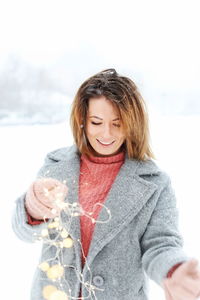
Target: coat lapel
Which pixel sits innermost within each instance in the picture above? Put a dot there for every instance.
(127, 196)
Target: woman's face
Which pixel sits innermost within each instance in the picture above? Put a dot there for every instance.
(104, 127)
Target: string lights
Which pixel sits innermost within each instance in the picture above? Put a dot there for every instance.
(57, 234)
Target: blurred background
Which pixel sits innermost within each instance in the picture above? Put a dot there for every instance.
(47, 49)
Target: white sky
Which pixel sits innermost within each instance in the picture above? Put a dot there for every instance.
(156, 37)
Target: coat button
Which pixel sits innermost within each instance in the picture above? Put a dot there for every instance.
(98, 280)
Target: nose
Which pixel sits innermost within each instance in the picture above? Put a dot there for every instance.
(107, 133)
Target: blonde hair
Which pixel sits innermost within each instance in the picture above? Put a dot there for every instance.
(124, 95)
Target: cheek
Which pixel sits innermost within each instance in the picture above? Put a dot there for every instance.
(91, 131)
(121, 136)
(122, 139)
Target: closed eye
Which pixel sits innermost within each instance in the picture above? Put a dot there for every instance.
(94, 123)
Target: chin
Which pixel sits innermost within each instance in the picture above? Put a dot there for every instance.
(98, 151)
(106, 153)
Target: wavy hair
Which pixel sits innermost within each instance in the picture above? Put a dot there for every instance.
(123, 93)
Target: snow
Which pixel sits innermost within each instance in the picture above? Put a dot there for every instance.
(31, 109)
(174, 141)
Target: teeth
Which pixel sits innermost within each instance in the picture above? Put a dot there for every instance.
(105, 143)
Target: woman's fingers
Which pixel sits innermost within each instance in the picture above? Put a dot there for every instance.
(44, 198)
(49, 190)
(191, 285)
(35, 208)
(166, 291)
(188, 276)
(184, 283)
(188, 268)
(177, 292)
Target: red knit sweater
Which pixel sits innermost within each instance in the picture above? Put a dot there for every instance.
(96, 178)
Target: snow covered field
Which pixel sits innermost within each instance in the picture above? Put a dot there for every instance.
(176, 144)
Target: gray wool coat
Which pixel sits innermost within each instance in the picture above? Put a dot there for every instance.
(141, 238)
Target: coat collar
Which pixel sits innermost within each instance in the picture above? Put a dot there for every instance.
(148, 167)
(128, 194)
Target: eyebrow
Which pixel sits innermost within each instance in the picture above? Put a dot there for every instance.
(102, 119)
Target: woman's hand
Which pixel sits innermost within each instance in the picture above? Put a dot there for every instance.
(43, 198)
(184, 283)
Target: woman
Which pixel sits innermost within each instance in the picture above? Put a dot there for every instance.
(105, 211)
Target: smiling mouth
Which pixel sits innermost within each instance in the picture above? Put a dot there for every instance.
(105, 144)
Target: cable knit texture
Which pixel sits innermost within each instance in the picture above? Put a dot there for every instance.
(96, 177)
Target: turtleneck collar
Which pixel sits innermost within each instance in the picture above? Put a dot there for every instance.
(105, 159)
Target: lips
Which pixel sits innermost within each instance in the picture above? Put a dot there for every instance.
(105, 144)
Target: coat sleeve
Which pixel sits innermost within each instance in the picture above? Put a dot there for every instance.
(162, 243)
(20, 225)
